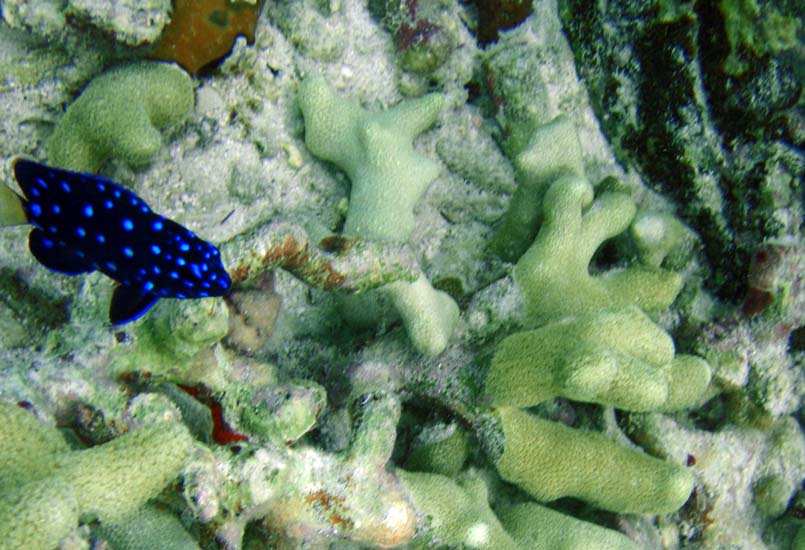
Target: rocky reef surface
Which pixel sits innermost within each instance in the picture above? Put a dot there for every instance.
(505, 275)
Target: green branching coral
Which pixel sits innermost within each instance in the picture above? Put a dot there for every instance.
(44, 484)
(540, 528)
(553, 275)
(617, 358)
(38, 515)
(458, 514)
(550, 461)
(119, 115)
(375, 150)
(594, 343)
(552, 151)
(147, 527)
(388, 177)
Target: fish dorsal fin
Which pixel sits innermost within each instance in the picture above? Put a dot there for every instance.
(56, 257)
(129, 303)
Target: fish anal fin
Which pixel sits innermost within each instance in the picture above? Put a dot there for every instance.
(129, 303)
(54, 257)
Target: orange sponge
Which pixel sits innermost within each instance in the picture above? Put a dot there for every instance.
(203, 31)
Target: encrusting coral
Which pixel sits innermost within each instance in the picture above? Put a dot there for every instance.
(388, 177)
(119, 115)
(43, 483)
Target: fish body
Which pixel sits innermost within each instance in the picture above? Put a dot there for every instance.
(84, 223)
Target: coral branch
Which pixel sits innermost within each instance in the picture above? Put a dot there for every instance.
(364, 266)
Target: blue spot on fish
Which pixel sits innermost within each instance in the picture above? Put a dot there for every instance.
(141, 244)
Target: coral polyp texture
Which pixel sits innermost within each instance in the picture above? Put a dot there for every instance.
(119, 115)
(388, 177)
(504, 275)
(46, 485)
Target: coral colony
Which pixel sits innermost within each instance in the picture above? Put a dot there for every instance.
(458, 296)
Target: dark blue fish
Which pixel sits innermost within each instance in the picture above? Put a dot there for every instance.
(84, 223)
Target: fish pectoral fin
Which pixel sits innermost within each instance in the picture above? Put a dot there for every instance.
(129, 303)
(58, 258)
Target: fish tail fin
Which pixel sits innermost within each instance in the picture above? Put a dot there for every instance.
(12, 202)
(11, 210)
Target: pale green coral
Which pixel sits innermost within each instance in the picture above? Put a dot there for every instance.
(146, 528)
(429, 315)
(440, 449)
(108, 481)
(540, 528)
(119, 115)
(617, 358)
(552, 151)
(375, 150)
(553, 274)
(550, 461)
(38, 515)
(458, 514)
(388, 177)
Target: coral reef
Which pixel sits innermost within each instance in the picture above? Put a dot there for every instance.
(388, 177)
(119, 115)
(46, 484)
(129, 22)
(550, 461)
(570, 260)
(714, 142)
